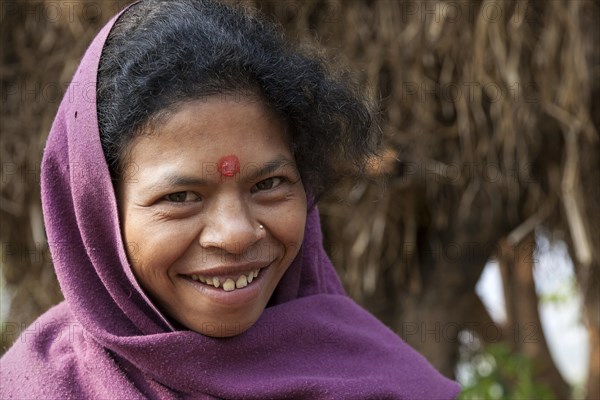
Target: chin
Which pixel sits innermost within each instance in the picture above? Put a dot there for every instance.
(224, 329)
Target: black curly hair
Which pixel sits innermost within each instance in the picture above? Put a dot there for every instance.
(162, 53)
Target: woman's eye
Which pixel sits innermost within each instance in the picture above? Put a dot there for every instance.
(181, 197)
(268, 184)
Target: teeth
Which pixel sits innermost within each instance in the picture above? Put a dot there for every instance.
(241, 282)
(228, 285)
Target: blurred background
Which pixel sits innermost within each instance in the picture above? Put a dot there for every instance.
(475, 235)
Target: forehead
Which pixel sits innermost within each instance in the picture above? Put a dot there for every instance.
(210, 130)
(224, 114)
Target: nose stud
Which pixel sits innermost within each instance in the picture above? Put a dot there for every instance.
(261, 227)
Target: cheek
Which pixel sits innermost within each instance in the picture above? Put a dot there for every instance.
(296, 233)
(289, 228)
(153, 247)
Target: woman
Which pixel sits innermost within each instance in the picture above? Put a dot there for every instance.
(179, 201)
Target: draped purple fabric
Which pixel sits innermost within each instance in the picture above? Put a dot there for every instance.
(108, 341)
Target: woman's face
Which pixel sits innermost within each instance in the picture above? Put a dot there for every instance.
(213, 213)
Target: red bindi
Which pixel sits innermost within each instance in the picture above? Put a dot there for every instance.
(228, 166)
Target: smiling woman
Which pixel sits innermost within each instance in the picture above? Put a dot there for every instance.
(191, 258)
(198, 240)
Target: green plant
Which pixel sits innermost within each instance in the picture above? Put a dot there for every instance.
(494, 373)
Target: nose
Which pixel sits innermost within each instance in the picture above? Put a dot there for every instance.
(230, 226)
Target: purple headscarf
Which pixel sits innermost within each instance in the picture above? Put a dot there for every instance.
(107, 340)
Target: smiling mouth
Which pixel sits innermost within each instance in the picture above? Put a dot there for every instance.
(227, 283)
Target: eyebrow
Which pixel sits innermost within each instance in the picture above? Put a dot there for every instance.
(183, 180)
(168, 182)
(267, 168)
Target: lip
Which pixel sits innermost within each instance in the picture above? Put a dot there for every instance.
(237, 297)
(230, 270)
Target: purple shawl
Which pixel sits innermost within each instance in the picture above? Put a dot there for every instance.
(107, 340)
